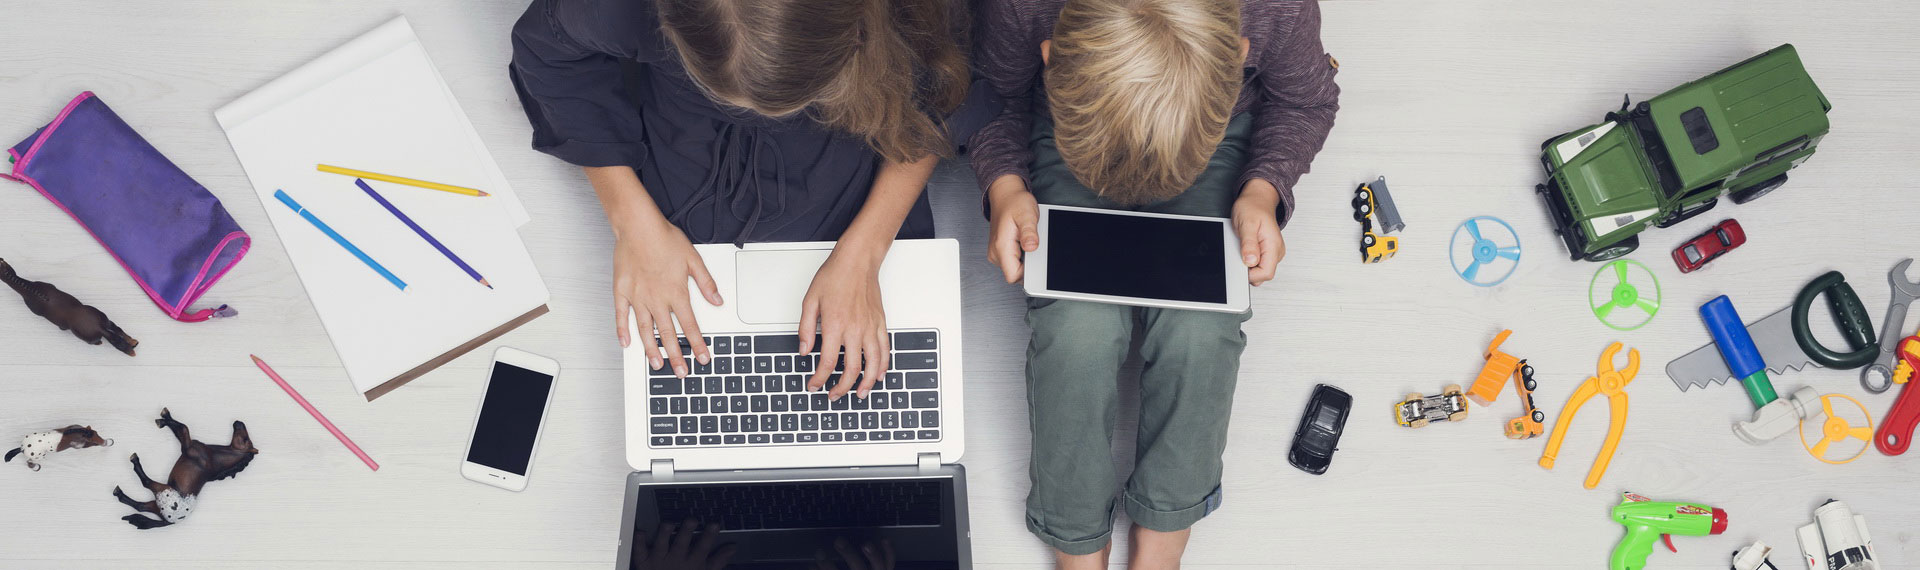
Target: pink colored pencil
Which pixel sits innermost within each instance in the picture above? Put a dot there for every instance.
(315, 412)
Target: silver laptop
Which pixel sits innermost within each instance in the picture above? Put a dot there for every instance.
(741, 443)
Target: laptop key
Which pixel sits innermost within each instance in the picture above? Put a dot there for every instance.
(679, 404)
(753, 385)
(894, 381)
(856, 436)
(927, 434)
(702, 369)
(783, 363)
(719, 404)
(809, 437)
(916, 340)
(760, 403)
(709, 440)
(687, 423)
(664, 425)
(736, 439)
(922, 380)
(804, 363)
(796, 383)
(697, 405)
(685, 440)
(738, 403)
(713, 385)
(858, 402)
(930, 419)
(910, 420)
(916, 360)
(849, 420)
(762, 364)
(750, 423)
(900, 400)
(778, 403)
(817, 401)
(783, 438)
(842, 404)
(663, 386)
(722, 366)
(879, 400)
(926, 399)
(880, 435)
(829, 422)
(657, 406)
(736, 385)
(757, 438)
(798, 402)
(662, 440)
(722, 345)
(830, 437)
(810, 422)
(776, 344)
(902, 434)
(729, 424)
(769, 422)
(709, 424)
(742, 345)
(870, 420)
(789, 422)
(890, 420)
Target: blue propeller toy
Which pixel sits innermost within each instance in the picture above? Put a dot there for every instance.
(1485, 251)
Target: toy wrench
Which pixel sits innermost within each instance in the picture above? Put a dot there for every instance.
(1896, 431)
(1611, 382)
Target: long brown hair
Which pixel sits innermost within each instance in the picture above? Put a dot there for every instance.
(872, 68)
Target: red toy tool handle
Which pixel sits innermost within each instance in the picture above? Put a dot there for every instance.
(1896, 431)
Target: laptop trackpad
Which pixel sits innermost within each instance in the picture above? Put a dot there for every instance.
(769, 284)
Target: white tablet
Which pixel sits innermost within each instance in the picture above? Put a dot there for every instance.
(1138, 258)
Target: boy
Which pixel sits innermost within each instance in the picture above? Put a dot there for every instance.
(1200, 107)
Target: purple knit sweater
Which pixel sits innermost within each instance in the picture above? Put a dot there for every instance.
(1289, 88)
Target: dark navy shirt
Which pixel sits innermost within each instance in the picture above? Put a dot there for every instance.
(602, 86)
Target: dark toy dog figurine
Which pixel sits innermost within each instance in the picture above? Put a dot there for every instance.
(199, 463)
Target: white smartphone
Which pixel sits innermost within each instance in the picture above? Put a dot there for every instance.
(1138, 258)
(513, 412)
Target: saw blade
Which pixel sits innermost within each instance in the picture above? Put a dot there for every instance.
(1772, 335)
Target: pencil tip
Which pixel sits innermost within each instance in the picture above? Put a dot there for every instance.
(254, 357)
(483, 193)
(484, 282)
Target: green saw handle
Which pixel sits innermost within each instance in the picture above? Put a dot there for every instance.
(1848, 313)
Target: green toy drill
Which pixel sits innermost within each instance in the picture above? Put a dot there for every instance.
(1645, 520)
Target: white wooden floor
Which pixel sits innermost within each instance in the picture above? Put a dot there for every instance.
(1449, 99)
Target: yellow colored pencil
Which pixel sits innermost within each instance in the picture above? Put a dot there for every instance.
(400, 180)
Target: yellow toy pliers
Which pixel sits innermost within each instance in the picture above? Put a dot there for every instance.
(1607, 381)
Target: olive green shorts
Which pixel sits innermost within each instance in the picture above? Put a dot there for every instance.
(1192, 359)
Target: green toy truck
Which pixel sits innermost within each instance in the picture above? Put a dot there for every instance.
(1670, 158)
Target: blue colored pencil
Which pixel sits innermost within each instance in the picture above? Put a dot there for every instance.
(423, 233)
(339, 239)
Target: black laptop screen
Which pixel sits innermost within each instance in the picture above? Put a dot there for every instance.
(794, 524)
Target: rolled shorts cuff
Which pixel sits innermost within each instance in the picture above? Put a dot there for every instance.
(1080, 547)
(1174, 520)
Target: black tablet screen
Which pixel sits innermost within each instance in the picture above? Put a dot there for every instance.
(1135, 256)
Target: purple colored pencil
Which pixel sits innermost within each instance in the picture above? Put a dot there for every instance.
(423, 233)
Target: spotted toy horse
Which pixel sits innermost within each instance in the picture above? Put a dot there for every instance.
(199, 463)
(40, 443)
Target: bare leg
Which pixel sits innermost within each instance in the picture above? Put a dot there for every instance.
(1095, 561)
(1155, 550)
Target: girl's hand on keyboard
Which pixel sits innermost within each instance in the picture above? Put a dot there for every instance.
(651, 264)
(844, 301)
(667, 549)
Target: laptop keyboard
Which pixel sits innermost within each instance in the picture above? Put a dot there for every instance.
(753, 393)
(774, 506)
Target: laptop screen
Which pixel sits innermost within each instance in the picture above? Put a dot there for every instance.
(797, 524)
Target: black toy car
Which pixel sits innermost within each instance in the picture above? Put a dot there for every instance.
(1319, 432)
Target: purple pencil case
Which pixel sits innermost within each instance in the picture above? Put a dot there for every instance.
(169, 232)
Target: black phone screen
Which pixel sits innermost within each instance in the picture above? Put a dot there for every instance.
(1136, 256)
(510, 418)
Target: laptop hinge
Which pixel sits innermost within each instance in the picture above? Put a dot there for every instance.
(663, 469)
(929, 462)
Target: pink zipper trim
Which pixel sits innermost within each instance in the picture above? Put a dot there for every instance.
(21, 164)
(201, 283)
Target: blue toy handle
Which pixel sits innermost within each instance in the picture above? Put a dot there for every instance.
(1730, 334)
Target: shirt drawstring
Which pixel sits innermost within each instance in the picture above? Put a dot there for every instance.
(734, 161)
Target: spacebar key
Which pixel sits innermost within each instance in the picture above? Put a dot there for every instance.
(776, 344)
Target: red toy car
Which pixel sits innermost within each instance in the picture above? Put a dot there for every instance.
(1694, 254)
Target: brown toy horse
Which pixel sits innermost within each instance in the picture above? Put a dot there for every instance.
(40, 443)
(199, 463)
(66, 312)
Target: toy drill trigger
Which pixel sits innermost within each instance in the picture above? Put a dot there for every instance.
(1668, 538)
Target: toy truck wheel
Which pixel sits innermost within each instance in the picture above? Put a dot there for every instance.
(1452, 390)
(1417, 424)
(1616, 251)
(1367, 241)
(1754, 192)
(1457, 416)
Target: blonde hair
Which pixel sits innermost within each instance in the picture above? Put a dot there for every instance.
(871, 68)
(1141, 91)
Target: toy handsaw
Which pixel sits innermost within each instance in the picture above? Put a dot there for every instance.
(1772, 334)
